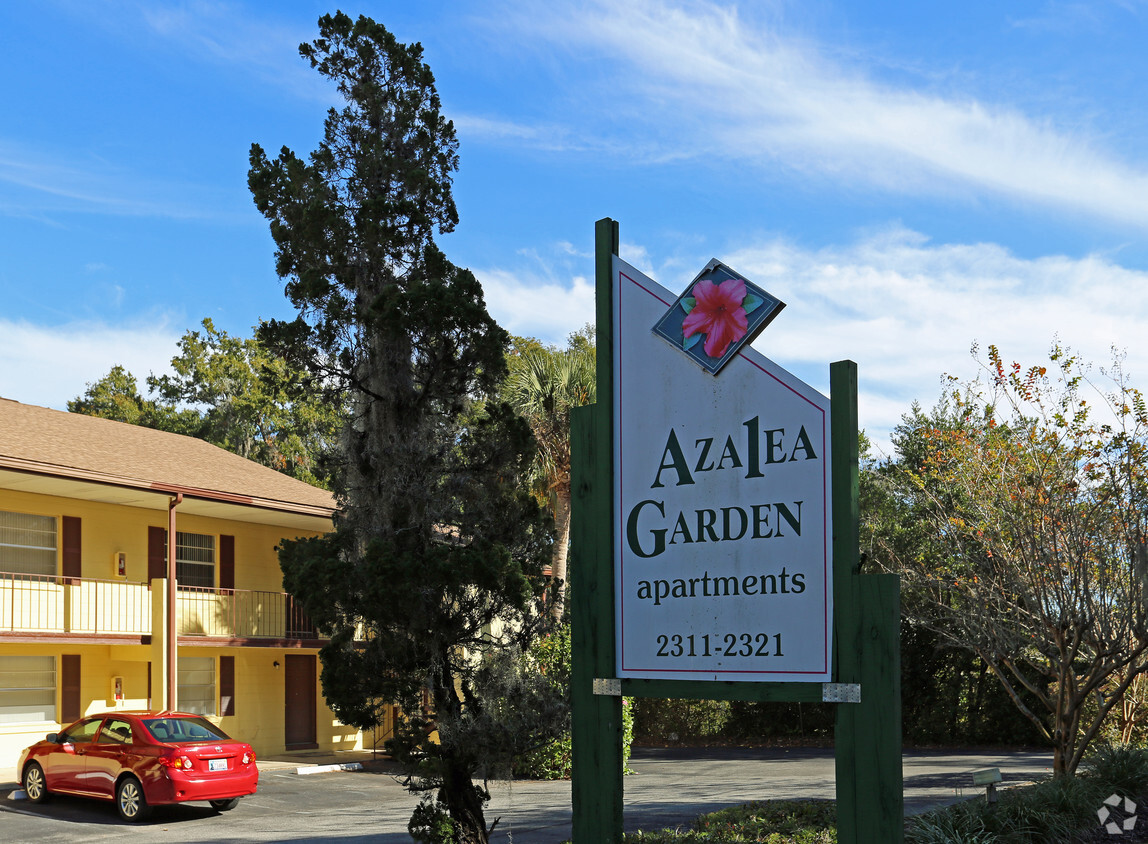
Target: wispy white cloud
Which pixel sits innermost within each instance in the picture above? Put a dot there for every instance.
(636, 256)
(252, 40)
(479, 127)
(905, 310)
(232, 35)
(704, 80)
(40, 183)
(49, 365)
(1058, 16)
(908, 312)
(528, 305)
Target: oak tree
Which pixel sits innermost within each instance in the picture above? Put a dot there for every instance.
(233, 393)
(251, 402)
(1027, 491)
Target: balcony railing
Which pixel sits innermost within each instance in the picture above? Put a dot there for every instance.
(32, 603)
(242, 614)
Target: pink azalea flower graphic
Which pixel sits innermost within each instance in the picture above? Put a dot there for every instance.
(718, 314)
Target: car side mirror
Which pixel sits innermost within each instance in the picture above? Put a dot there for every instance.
(53, 737)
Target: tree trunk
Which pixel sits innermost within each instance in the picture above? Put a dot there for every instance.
(561, 548)
(1130, 709)
(465, 806)
(1128, 714)
(1064, 737)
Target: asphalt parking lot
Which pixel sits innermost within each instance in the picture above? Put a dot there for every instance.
(669, 787)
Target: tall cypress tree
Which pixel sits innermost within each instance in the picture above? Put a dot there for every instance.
(437, 555)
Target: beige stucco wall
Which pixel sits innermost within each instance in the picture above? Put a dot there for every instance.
(107, 530)
(259, 695)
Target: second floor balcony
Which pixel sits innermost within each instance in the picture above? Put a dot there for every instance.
(52, 605)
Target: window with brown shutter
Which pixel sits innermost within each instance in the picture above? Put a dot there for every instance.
(226, 561)
(28, 543)
(227, 685)
(70, 547)
(194, 557)
(156, 553)
(70, 704)
(29, 686)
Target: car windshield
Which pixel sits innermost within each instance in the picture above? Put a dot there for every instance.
(174, 730)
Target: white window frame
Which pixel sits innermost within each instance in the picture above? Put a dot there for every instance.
(28, 689)
(195, 559)
(24, 543)
(196, 690)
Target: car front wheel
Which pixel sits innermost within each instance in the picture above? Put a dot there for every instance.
(34, 785)
(130, 801)
(225, 805)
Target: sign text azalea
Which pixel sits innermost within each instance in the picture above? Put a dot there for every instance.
(722, 508)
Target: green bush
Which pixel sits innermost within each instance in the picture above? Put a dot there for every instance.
(1121, 767)
(773, 822)
(549, 762)
(671, 720)
(627, 733)
(551, 656)
(949, 827)
(949, 695)
(554, 761)
(430, 823)
(759, 721)
(1060, 809)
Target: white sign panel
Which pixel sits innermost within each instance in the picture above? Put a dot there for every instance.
(722, 509)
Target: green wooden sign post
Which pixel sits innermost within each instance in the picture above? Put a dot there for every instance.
(870, 805)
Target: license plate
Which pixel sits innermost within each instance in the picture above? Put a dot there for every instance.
(217, 764)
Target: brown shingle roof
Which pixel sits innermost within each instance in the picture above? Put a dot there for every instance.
(71, 445)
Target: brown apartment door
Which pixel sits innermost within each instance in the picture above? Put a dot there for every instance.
(299, 701)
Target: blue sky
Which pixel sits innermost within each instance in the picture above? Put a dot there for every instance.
(909, 177)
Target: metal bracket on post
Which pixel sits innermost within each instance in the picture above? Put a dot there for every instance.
(841, 692)
(608, 687)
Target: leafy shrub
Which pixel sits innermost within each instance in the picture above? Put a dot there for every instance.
(756, 720)
(550, 762)
(1055, 810)
(554, 760)
(430, 823)
(773, 822)
(949, 827)
(627, 733)
(670, 720)
(1121, 767)
(551, 657)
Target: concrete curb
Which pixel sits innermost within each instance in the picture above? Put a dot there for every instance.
(18, 793)
(326, 769)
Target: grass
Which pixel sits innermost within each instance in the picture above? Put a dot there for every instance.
(1053, 811)
(1057, 810)
(773, 822)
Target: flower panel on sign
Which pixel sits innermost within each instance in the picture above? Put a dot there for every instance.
(718, 314)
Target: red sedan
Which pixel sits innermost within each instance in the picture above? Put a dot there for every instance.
(140, 760)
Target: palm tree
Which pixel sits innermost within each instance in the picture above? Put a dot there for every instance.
(543, 385)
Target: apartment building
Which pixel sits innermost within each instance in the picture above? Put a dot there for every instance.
(91, 512)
